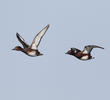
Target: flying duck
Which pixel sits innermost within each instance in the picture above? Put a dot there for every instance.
(31, 50)
(85, 54)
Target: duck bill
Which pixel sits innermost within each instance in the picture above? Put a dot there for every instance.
(66, 53)
(13, 49)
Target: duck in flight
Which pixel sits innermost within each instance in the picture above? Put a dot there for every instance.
(85, 54)
(31, 50)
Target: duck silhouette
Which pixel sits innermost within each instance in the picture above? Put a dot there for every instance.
(31, 50)
(84, 54)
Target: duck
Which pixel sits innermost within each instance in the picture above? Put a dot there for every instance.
(31, 50)
(85, 54)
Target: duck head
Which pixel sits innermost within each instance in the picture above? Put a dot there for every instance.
(18, 48)
(72, 51)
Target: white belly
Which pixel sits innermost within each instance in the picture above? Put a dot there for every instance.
(85, 57)
(32, 53)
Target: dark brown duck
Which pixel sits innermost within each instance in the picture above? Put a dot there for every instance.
(31, 50)
(84, 54)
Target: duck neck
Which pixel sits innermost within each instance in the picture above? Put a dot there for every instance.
(21, 49)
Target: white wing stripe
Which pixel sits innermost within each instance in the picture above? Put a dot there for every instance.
(38, 38)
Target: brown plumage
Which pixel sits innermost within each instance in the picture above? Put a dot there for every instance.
(31, 50)
(85, 54)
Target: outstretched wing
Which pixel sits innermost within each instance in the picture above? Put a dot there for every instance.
(38, 37)
(22, 41)
(88, 48)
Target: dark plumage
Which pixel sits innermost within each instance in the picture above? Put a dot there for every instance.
(85, 54)
(31, 50)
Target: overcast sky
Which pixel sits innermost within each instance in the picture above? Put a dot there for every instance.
(55, 75)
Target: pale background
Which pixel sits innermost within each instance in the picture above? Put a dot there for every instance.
(55, 76)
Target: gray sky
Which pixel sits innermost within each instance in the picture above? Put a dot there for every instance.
(55, 76)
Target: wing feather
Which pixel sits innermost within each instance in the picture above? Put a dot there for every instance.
(22, 41)
(38, 37)
(88, 48)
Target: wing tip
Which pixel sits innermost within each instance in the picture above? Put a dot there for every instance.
(102, 47)
(17, 34)
(94, 46)
(48, 25)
